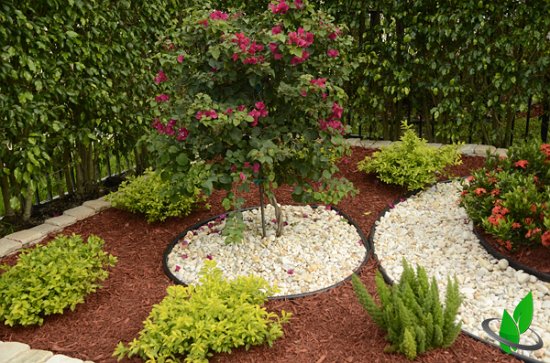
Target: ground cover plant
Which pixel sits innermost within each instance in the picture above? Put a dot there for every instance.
(257, 95)
(510, 197)
(411, 313)
(156, 198)
(411, 162)
(214, 315)
(51, 278)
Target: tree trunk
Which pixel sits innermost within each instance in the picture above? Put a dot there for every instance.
(27, 205)
(545, 119)
(6, 196)
(278, 215)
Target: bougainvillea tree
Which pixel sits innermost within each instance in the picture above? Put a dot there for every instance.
(258, 97)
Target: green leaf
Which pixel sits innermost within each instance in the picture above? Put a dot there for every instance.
(182, 159)
(523, 313)
(71, 34)
(509, 331)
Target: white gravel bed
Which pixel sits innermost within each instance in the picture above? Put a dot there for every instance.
(318, 249)
(432, 230)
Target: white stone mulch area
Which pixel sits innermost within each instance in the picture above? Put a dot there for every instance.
(430, 229)
(319, 248)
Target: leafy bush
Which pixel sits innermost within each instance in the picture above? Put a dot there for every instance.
(157, 198)
(48, 279)
(411, 312)
(510, 197)
(411, 162)
(214, 315)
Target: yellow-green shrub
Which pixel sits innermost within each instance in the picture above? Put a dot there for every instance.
(215, 315)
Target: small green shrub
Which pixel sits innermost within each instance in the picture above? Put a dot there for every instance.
(510, 197)
(411, 162)
(48, 279)
(157, 198)
(214, 315)
(411, 312)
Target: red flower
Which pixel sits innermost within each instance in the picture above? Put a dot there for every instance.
(162, 98)
(180, 58)
(533, 208)
(203, 22)
(337, 110)
(528, 221)
(470, 179)
(516, 225)
(178, 267)
(508, 245)
(276, 29)
(521, 164)
(160, 77)
(319, 82)
(333, 53)
(495, 219)
(256, 167)
(334, 34)
(279, 7)
(301, 38)
(298, 4)
(182, 134)
(545, 238)
(303, 93)
(290, 271)
(495, 192)
(218, 15)
(545, 148)
(229, 111)
(297, 60)
(480, 191)
(532, 232)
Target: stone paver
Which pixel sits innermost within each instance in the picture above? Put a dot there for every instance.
(8, 246)
(26, 237)
(46, 228)
(32, 356)
(8, 350)
(354, 141)
(61, 221)
(60, 358)
(79, 212)
(435, 145)
(501, 152)
(379, 144)
(481, 150)
(468, 149)
(98, 204)
(367, 143)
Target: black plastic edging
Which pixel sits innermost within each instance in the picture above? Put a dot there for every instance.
(368, 253)
(513, 263)
(389, 281)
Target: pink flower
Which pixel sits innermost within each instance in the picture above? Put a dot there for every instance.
(545, 239)
(235, 57)
(255, 47)
(521, 164)
(277, 56)
(250, 60)
(303, 93)
(242, 41)
(180, 58)
(229, 111)
(297, 60)
(184, 256)
(218, 15)
(241, 108)
(158, 126)
(480, 191)
(256, 167)
(182, 134)
(319, 82)
(337, 110)
(333, 53)
(162, 98)
(178, 267)
(208, 113)
(242, 176)
(334, 34)
(298, 4)
(279, 7)
(246, 164)
(160, 77)
(301, 38)
(169, 129)
(260, 105)
(290, 271)
(273, 47)
(209, 257)
(276, 29)
(324, 96)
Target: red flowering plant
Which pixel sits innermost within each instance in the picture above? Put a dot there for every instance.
(510, 197)
(258, 97)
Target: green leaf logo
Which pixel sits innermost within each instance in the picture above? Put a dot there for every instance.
(512, 327)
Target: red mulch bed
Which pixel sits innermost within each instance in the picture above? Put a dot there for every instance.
(329, 327)
(536, 257)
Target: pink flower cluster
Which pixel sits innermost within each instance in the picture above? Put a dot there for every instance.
(333, 53)
(169, 129)
(334, 34)
(274, 48)
(297, 60)
(163, 97)
(301, 38)
(277, 29)
(319, 82)
(248, 47)
(218, 15)
(333, 121)
(279, 7)
(206, 113)
(160, 77)
(255, 166)
(259, 111)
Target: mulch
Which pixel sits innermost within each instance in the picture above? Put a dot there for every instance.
(328, 327)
